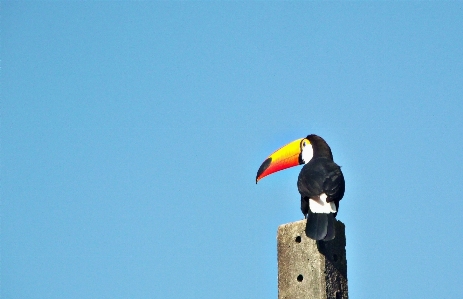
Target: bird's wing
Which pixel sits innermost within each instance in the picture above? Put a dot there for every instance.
(334, 185)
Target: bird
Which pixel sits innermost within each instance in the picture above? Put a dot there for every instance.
(320, 182)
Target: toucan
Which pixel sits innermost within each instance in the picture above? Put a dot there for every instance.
(320, 182)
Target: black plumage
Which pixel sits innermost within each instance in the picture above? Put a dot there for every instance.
(320, 175)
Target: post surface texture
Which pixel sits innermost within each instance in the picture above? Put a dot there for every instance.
(309, 269)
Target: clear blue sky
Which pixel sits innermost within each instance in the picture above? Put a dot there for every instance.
(131, 134)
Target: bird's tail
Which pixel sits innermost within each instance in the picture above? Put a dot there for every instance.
(320, 226)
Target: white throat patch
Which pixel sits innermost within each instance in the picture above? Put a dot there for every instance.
(307, 153)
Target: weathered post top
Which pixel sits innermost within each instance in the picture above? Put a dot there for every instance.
(311, 269)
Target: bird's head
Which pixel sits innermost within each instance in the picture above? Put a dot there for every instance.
(297, 152)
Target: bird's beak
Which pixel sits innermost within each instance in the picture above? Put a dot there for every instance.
(286, 157)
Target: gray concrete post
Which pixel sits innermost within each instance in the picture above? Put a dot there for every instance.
(309, 269)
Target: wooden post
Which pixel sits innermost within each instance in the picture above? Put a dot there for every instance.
(311, 269)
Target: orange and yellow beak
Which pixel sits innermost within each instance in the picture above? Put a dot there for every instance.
(285, 157)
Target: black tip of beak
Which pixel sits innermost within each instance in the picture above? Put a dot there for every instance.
(263, 167)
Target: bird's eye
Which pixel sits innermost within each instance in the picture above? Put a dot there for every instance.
(304, 143)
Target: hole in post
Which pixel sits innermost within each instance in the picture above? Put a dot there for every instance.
(338, 295)
(335, 257)
(298, 239)
(300, 278)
